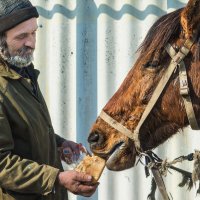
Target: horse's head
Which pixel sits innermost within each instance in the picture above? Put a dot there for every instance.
(128, 104)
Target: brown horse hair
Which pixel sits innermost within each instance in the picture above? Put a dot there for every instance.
(197, 51)
(165, 30)
(167, 27)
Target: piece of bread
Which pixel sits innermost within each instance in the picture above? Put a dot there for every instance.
(92, 165)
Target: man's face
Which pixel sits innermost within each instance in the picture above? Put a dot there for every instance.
(21, 43)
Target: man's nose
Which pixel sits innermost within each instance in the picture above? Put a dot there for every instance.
(30, 42)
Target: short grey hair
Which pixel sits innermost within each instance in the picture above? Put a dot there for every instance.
(3, 43)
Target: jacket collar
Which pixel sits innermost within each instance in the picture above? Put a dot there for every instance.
(6, 71)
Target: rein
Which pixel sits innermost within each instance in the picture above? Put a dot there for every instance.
(176, 61)
(152, 161)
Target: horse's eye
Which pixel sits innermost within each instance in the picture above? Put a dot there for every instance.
(151, 64)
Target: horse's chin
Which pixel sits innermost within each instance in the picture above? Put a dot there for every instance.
(119, 159)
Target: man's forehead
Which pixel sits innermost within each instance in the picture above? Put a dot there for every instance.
(27, 26)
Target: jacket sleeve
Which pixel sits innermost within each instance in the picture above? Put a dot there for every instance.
(18, 174)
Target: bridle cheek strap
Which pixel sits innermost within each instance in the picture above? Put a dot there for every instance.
(184, 89)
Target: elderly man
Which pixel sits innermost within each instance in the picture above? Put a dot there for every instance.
(30, 164)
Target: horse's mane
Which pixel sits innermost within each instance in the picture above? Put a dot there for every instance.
(167, 29)
(164, 30)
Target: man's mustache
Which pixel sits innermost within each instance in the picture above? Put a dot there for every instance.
(24, 50)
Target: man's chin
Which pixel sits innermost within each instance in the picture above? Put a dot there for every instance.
(19, 61)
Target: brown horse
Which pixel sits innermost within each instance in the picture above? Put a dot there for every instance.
(128, 104)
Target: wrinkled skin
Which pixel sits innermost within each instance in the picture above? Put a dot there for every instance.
(128, 103)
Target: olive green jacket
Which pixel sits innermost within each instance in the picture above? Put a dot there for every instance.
(29, 160)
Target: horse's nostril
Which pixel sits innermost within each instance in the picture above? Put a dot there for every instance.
(94, 137)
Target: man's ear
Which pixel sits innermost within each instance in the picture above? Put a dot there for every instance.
(190, 18)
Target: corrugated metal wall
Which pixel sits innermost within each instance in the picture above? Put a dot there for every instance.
(84, 50)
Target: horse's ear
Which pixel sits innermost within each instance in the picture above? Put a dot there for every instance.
(190, 18)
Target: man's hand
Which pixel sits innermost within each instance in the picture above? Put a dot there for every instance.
(77, 183)
(70, 151)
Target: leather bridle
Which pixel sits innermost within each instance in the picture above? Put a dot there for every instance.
(176, 62)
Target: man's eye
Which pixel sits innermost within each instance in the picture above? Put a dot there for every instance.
(22, 36)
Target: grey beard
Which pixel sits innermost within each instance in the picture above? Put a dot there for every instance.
(18, 61)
